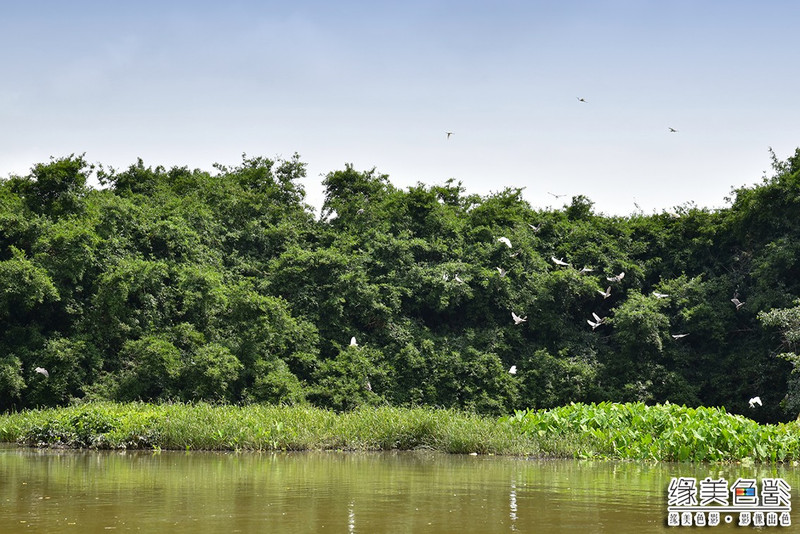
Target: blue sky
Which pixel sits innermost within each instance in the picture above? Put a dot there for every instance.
(378, 85)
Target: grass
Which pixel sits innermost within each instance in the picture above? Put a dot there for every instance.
(204, 426)
(607, 430)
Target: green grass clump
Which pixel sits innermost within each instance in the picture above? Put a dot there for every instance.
(204, 426)
(664, 432)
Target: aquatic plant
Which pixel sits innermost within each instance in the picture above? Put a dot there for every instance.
(663, 432)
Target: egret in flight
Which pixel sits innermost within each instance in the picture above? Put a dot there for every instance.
(502, 271)
(754, 401)
(616, 278)
(505, 240)
(678, 336)
(736, 302)
(658, 295)
(606, 293)
(42, 371)
(513, 370)
(560, 261)
(597, 321)
(518, 319)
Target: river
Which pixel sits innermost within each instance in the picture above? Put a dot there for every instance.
(401, 492)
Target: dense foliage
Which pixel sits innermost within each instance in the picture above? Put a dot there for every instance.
(178, 284)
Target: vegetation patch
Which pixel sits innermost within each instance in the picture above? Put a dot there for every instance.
(664, 432)
(631, 431)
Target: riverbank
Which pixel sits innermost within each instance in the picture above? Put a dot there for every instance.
(606, 430)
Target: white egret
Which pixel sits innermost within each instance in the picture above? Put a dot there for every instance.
(586, 269)
(658, 295)
(518, 319)
(42, 371)
(513, 370)
(559, 261)
(353, 342)
(536, 228)
(736, 302)
(502, 271)
(597, 321)
(556, 196)
(606, 293)
(616, 278)
(754, 401)
(678, 336)
(458, 279)
(445, 277)
(505, 240)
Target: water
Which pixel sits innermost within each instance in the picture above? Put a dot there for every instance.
(199, 492)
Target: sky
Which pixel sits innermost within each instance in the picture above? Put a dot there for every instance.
(377, 85)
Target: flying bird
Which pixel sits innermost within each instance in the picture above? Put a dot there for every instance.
(586, 269)
(353, 342)
(445, 277)
(736, 302)
(501, 271)
(449, 134)
(673, 130)
(616, 278)
(43, 371)
(597, 321)
(581, 99)
(535, 228)
(513, 370)
(606, 293)
(505, 240)
(518, 319)
(458, 279)
(678, 336)
(754, 401)
(554, 195)
(558, 261)
(658, 295)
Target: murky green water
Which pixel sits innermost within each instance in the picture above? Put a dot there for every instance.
(86, 492)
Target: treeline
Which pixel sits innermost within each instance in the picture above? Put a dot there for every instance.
(179, 284)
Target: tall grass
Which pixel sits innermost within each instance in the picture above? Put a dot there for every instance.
(259, 427)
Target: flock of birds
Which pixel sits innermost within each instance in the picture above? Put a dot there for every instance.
(595, 321)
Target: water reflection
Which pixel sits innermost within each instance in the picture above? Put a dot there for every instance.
(51, 491)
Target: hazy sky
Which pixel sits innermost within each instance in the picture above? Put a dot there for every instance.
(194, 83)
